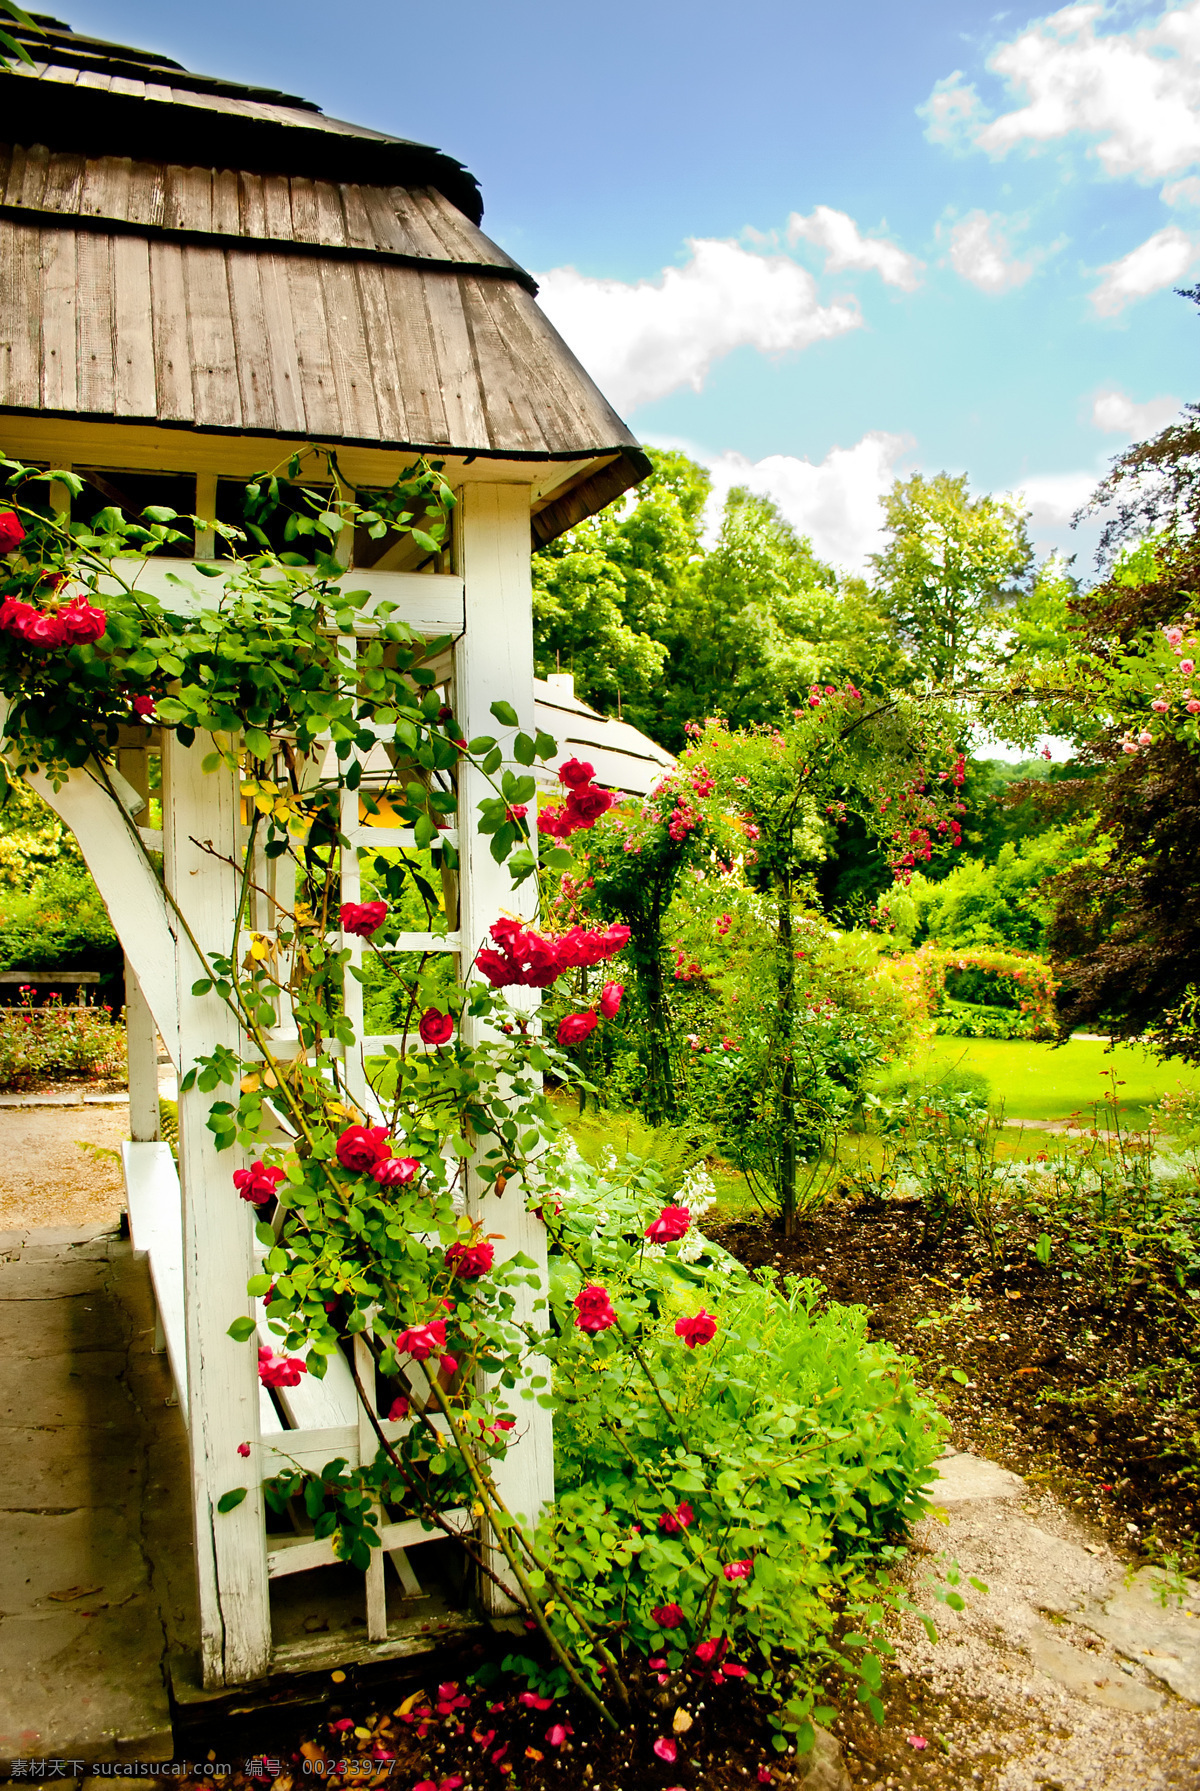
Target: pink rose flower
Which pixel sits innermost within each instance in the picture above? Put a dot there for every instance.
(576, 772)
(610, 1000)
(420, 1341)
(671, 1225)
(470, 1261)
(700, 1329)
(435, 1027)
(258, 1183)
(395, 1172)
(363, 918)
(279, 1371)
(667, 1616)
(738, 1570)
(594, 1310)
(360, 1147)
(673, 1521)
(574, 1028)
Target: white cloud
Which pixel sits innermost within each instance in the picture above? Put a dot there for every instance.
(1118, 414)
(952, 113)
(1161, 260)
(1135, 93)
(1182, 193)
(846, 249)
(1053, 498)
(979, 251)
(641, 341)
(835, 501)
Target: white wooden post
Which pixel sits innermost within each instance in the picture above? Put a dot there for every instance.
(231, 1556)
(141, 1040)
(494, 661)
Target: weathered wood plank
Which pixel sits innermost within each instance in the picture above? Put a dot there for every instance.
(60, 348)
(96, 324)
(226, 202)
(378, 328)
(252, 204)
(20, 315)
(454, 351)
(36, 161)
(172, 353)
(254, 367)
(287, 387)
(64, 182)
(418, 373)
(314, 354)
(216, 393)
(133, 356)
(305, 228)
(512, 419)
(352, 373)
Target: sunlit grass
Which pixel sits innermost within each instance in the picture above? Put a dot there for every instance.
(1035, 1081)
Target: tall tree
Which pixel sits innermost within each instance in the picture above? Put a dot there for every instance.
(602, 592)
(952, 566)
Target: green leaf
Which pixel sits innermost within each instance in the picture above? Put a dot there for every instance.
(506, 715)
(202, 986)
(230, 1501)
(241, 1329)
(522, 749)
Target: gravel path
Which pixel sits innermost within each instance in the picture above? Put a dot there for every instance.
(48, 1178)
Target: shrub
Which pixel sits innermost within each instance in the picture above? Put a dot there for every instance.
(986, 993)
(55, 1042)
(786, 1447)
(61, 923)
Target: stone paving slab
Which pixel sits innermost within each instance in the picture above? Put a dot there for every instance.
(95, 1558)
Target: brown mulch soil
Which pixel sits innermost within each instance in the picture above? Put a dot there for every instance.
(1098, 1399)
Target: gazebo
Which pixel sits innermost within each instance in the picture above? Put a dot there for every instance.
(194, 276)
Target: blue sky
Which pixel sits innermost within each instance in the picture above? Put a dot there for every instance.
(816, 245)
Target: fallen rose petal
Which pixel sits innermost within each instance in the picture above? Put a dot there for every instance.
(666, 1749)
(917, 1741)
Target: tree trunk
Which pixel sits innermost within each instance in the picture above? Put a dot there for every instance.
(787, 1089)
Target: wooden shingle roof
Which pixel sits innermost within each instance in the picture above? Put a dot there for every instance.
(248, 285)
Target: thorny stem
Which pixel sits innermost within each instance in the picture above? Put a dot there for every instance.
(487, 1499)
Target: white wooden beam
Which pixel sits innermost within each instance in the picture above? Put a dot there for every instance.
(494, 660)
(201, 811)
(130, 887)
(430, 602)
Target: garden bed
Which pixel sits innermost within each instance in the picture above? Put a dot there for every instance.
(1100, 1400)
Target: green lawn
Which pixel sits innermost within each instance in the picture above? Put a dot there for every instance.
(1053, 1081)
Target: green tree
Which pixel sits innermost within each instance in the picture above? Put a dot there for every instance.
(953, 564)
(656, 625)
(602, 593)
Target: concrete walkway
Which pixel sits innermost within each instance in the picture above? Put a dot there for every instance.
(95, 1544)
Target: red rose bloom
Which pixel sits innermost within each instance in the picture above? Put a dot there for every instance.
(279, 1371)
(435, 1027)
(422, 1340)
(610, 1000)
(395, 1172)
(586, 804)
(574, 1028)
(738, 1570)
(360, 1147)
(701, 1329)
(594, 1310)
(556, 823)
(574, 772)
(671, 1225)
(11, 532)
(578, 950)
(470, 1261)
(80, 622)
(679, 1519)
(363, 918)
(710, 1650)
(258, 1183)
(667, 1616)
